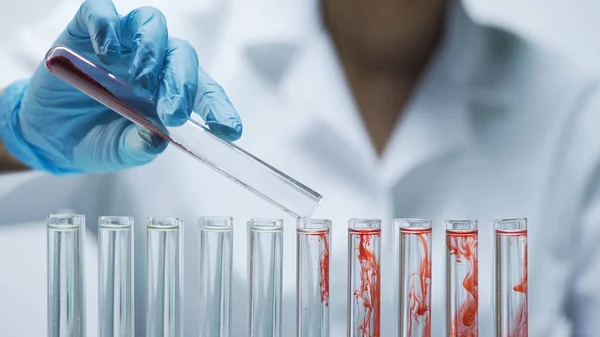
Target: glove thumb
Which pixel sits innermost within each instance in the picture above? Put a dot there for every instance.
(137, 146)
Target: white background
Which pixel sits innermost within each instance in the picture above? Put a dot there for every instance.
(571, 26)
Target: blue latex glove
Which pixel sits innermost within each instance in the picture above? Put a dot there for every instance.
(50, 126)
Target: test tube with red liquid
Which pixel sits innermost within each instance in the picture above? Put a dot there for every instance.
(414, 288)
(511, 277)
(312, 283)
(462, 279)
(193, 138)
(364, 278)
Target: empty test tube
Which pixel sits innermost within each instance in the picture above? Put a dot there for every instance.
(193, 138)
(115, 276)
(462, 278)
(364, 278)
(163, 318)
(215, 259)
(66, 275)
(312, 283)
(265, 269)
(414, 277)
(511, 277)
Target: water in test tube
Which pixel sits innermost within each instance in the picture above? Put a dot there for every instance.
(215, 259)
(364, 278)
(115, 274)
(414, 279)
(193, 138)
(462, 279)
(66, 275)
(163, 317)
(511, 277)
(265, 253)
(312, 283)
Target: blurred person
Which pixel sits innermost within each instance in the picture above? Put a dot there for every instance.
(387, 108)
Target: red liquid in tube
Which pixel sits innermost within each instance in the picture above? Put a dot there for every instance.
(463, 246)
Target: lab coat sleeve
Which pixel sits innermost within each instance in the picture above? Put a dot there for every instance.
(582, 304)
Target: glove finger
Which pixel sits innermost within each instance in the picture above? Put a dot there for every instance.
(137, 146)
(116, 145)
(144, 30)
(179, 83)
(98, 20)
(213, 105)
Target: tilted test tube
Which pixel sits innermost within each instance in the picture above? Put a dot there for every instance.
(414, 279)
(192, 138)
(163, 247)
(215, 263)
(364, 278)
(115, 276)
(462, 278)
(66, 275)
(265, 253)
(312, 278)
(511, 309)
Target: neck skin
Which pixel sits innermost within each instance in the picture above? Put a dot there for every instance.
(384, 47)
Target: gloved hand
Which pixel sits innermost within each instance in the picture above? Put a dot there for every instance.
(48, 125)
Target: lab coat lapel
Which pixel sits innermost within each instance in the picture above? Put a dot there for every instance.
(293, 60)
(330, 126)
(437, 121)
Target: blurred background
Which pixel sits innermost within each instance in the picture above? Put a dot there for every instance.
(571, 27)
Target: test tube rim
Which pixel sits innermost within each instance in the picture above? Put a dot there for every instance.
(499, 222)
(78, 221)
(372, 224)
(261, 225)
(128, 222)
(473, 223)
(302, 225)
(404, 224)
(227, 227)
(152, 225)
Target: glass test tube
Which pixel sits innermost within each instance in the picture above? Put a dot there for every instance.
(265, 251)
(462, 278)
(163, 316)
(193, 138)
(312, 283)
(414, 277)
(364, 278)
(66, 275)
(115, 276)
(511, 277)
(215, 259)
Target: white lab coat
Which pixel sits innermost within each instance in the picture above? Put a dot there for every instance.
(499, 127)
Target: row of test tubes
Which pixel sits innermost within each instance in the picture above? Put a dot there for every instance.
(413, 253)
(66, 296)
